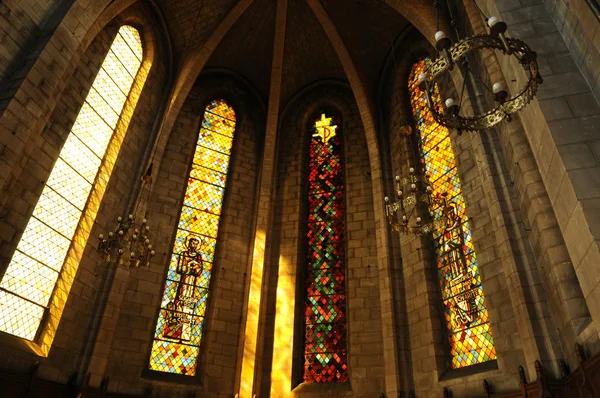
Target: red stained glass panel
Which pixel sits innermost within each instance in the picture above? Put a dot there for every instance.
(325, 359)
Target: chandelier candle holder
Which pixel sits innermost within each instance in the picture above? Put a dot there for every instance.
(409, 214)
(452, 54)
(129, 245)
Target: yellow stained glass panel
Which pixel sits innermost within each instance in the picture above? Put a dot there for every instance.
(215, 141)
(179, 326)
(208, 175)
(214, 122)
(467, 319)
(19, 317)
(64, 220)
(92, 130)
(129, 54)
(211, 159)
(81, 158)
(203, 196)
(221, 108)
(105, 110)
(31, 280)
(27, 285)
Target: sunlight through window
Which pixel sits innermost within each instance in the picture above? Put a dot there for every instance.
(31, 276)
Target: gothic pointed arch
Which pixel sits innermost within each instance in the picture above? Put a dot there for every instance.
(179, 328)
(38, 279)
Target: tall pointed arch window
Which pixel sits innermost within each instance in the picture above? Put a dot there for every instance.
(180, 322)
(466, 315)
(62, 218)
(325, 358)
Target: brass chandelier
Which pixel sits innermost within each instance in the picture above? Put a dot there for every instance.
(457, 54)
(129, 244)
(409, 212)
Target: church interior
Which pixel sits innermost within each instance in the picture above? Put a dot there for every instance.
(299, 198)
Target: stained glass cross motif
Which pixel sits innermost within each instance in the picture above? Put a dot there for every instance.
(325, 357)
(178, 333)
(28, 284)
(325, 129)
(466, 315)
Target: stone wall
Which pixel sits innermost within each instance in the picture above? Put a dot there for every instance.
(580, 30)
(561, 128)
(22, 22)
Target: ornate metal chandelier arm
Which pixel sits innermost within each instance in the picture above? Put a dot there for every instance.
(463, 47)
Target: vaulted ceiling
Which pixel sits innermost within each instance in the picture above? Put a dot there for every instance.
(367, 29)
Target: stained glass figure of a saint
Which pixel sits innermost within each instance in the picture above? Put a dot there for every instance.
(180, 309)
(179, 328)
(466, 315)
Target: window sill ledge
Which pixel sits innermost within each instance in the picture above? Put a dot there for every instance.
(469, 370)
(322, 388)
(21, 344)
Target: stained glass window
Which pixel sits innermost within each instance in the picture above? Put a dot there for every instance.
(28, 284)
(466, 315)
(325, 358)
(179, 327)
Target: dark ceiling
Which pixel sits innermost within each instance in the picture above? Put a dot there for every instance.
(309, 56)
(192, 21)
(367, 27)
(248, 47)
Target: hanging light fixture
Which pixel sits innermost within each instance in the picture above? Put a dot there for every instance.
(451, 55)
(129, 244)
(129, 237)
(408, 212)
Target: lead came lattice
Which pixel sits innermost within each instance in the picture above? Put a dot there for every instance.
(325, 358)
(178, 332)
(27, 285)
(466, 316)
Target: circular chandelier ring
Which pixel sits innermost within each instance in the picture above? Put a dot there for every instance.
(510, 46)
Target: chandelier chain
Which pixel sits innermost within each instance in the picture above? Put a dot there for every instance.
(453, 21)
(480, 10)
(436, 4)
